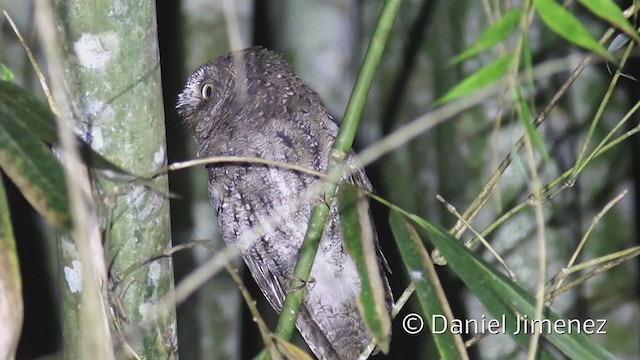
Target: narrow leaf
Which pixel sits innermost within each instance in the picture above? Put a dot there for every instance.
(32, 167)
(530, 130)
(11, 306)
(496, 33)
(527, 63)
(422, 273)
(619, 41)
(505, 299)
(609, 11)
(29, 111)
(39, 120)
(5, 73)
(563, 23)
(357, 231)
(478, 80)
(289, 350)
(527, 118)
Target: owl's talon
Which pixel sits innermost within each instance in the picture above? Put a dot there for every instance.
(323, 201)
(302, 283)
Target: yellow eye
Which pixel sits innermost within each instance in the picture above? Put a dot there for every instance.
(207, 91)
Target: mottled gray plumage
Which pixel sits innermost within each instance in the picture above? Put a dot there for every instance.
(250, 103)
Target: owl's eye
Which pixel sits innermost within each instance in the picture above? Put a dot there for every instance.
(207, 91)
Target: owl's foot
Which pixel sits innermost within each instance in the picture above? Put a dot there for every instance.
(322, 200)
(297, 283)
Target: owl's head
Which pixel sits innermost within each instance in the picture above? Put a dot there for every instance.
(245, 84)
(207, 91)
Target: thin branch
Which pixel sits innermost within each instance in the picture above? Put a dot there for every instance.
(484, 242)
(93, 321)
(235, 159)
(490, 185)
(32, 60)
(595, 272)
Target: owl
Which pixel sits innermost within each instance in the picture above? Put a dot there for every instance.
(249, 103)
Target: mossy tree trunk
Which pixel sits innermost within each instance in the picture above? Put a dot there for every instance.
(110, 62)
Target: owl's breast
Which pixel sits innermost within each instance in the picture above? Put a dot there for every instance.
(289, 135)
(267, 206)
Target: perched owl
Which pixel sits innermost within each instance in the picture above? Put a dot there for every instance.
(249, 103)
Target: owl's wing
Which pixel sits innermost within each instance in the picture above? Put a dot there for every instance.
(267, 282)
(314, 336)
(270, 286)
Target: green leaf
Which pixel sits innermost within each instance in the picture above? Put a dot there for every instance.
(10, 283)
(289, 350)
(40, 121)
(530, 130)
(34, 169)
(527, 117)
(496, 33)
(357, 231)
(527, 63)
(619, 41)
(422, 273)
(609, 11)
(505, 299)
(478, 80)
(29, 111)
(5, 73)
(563, 23)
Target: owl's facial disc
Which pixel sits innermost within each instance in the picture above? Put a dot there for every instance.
(202, 95)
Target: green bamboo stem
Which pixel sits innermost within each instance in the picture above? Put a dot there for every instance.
(341, 147)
